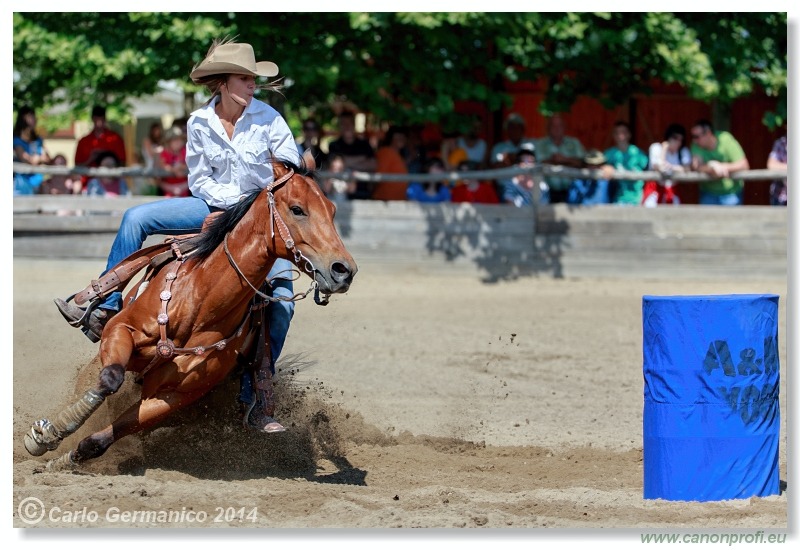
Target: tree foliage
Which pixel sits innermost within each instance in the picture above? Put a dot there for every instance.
(405, 67)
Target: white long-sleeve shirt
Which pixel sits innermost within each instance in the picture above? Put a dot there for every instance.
(220, 169)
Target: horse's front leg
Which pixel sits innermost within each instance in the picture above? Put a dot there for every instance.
(115, 352)
(141, 416)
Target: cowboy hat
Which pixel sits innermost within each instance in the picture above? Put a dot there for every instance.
(233, 58)
(594, 158)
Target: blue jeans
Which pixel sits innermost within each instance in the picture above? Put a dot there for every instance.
(176, 216)
(733, 199)
(588, 192)
(179, 216)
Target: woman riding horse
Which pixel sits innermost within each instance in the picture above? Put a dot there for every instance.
(187, 328)
(232, 140)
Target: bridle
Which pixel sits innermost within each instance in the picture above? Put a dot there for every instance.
(275, 220)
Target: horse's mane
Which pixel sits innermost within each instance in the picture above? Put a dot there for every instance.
(213, 236)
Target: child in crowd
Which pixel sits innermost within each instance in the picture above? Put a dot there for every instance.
(60, 184)
(173, 160)
(471, 189)
(107, 186)
(335, 188)
(430, 191)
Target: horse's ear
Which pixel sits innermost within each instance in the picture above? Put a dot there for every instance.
(308, 159)
(278, 168)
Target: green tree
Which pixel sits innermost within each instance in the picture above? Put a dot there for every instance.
(406, 67)
(67, 62)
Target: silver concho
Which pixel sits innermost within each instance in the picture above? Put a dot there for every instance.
(165, 348)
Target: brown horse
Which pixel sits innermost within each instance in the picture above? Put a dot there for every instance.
(184, 331)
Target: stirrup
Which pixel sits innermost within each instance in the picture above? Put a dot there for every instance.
(91, 320)
(70, 312)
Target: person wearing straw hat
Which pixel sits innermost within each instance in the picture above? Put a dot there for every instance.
(231, 141)
(592, 190)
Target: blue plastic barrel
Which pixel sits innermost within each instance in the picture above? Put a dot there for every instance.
(711, 407)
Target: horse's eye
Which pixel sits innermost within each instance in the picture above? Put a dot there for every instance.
(297, 211)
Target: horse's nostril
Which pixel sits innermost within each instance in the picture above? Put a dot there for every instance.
(340, 271)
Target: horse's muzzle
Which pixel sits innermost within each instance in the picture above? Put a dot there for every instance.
(337, 278)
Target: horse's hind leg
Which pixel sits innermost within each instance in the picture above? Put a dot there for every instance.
(141, 416)
(46, 435)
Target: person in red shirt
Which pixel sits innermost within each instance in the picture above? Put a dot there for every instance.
(100, 140)
(472, 190)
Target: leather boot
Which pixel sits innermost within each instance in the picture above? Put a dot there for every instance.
(91, 325)
(259, 417)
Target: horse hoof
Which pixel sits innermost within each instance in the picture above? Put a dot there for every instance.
(64, 462)
(43, 437)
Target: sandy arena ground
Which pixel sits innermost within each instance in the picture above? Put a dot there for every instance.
(413, 400)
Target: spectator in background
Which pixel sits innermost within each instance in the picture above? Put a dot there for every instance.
(777, 160)
(389, 160)
(150, 159)
(28, 148)
(519, 190)
(356, 152)
(173, 160)
(312, 134)
(592, 190)
(60, 184)
(107, 186)
(414, 154)
(504, 152)
(628, 157)
(182, 123)
(559, 149)
(670, 156)
(472, 190)
(475, 148)
(430, 191)
(718, 154)
(152, 145)
(101, 139)
(335, 187)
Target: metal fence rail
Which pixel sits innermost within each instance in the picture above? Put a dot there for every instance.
(541, 170)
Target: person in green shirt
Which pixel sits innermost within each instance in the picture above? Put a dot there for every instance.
(626, 156)
(718, 154)
(557, 148)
